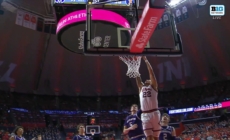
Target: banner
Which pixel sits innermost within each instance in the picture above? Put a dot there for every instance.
(19, 18)
(201, 108)
(180, 15)
(26, 20)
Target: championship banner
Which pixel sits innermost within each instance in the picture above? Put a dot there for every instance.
(19, 18)
(185, 12)
(166, 22)
(160, 24)
(26, 19)
(33, 22)
(180, 14)
(178, 17)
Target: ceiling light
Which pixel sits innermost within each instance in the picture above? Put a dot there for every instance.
(8, 6)
(174, 3)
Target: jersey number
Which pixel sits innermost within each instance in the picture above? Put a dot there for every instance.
(165, 136)
(130, 124)
(146, 94)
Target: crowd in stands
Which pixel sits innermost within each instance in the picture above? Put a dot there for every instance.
(33, 117)
(214, 130)
(110, 125)
(49, 133)
(178, 98)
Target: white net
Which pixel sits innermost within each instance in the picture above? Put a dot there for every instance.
(92, 133)
(133, 63)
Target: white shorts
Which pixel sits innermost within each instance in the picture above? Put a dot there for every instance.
(151, 123)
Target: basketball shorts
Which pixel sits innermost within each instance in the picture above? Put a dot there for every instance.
(151, 123)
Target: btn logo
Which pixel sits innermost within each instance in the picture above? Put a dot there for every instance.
(217, 10)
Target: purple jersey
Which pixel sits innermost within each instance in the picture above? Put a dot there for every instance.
(19, 138)
(138, 133)
(81, 137)
(166, 133)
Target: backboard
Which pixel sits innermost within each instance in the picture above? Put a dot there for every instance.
(109, 29)
(113, 35)
(93, 128)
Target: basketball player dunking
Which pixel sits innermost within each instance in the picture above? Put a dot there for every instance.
(133, 125)
(18, 131)
(167, 132)
(81, 133)
(149, 104)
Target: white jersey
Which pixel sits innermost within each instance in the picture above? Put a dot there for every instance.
(148, 98)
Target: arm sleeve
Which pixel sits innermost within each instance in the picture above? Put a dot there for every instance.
(139, 112)
(74, 138)
(125, 122)
(174, 138)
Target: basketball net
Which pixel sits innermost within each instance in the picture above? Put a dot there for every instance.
(133, 63)
(92, 133)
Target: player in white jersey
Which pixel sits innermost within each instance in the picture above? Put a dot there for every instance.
(149, 104)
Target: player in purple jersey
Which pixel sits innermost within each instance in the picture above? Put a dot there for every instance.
(81, 133)
(167, 132)
(18, 131)
(133, 125)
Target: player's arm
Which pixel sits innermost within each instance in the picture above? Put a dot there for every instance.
(126, 130)
(151, 74)
(75, 138)
(173, 132)
(12, 138)
(139, 112)
(139, 83)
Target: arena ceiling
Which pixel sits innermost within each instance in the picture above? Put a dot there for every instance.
(206, 57)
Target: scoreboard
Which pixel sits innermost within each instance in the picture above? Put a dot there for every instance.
(107, 2)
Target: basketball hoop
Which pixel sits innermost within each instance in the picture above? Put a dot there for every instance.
(133, 63)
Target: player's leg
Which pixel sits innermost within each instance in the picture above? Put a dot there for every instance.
(156, 125)
(149, 134)
(156, 138)
(150, 138)
(147, 125)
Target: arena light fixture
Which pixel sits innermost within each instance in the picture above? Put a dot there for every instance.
(202, 3)
(9, 6)
(174, 3)
(1, 11)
